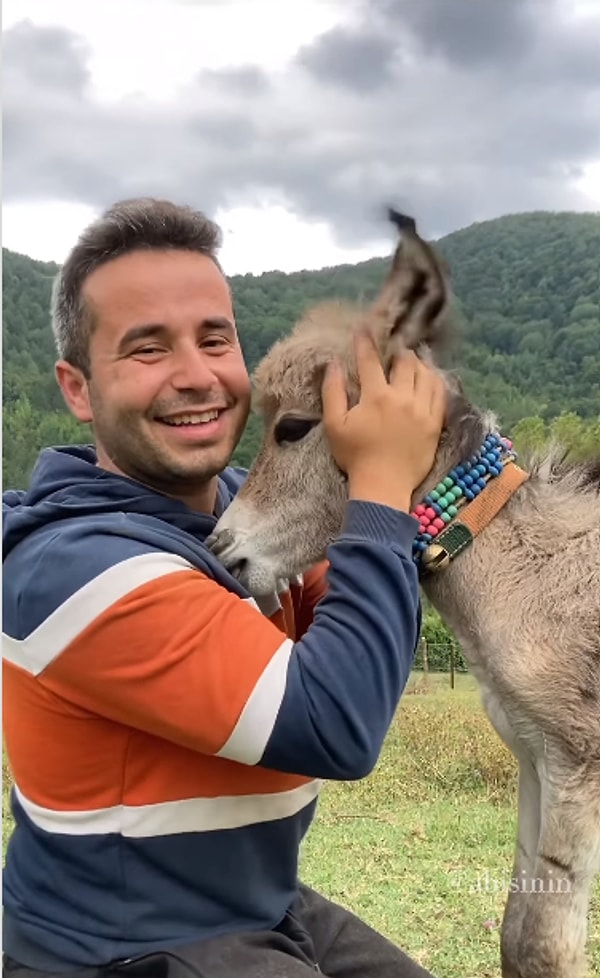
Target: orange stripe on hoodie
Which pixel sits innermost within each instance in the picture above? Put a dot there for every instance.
(58, 728)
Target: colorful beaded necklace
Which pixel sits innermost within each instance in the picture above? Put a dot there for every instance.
(440, 507)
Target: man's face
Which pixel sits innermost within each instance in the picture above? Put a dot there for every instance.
(168, 394)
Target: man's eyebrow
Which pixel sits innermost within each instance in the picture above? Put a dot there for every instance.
(144, 332)
(217, 323)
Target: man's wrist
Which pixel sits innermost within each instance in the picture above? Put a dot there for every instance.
(385, 491)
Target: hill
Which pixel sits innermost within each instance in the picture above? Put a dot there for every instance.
(527, 292)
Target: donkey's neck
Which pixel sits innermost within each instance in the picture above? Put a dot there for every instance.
(493, 590)
(450, 512)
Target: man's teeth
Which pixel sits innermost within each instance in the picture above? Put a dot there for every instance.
(202, 418)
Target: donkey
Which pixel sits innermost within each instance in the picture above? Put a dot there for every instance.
(512, 565)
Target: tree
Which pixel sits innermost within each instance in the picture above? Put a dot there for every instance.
(527, 298)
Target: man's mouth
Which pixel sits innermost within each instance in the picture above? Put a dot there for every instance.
(193, 418)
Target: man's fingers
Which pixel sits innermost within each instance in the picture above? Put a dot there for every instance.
(403, 373)
(333, 392)
(368, 362)
(410, 373)
(407, 373)
(439, 400)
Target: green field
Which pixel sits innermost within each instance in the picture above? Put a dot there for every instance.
(422, 849)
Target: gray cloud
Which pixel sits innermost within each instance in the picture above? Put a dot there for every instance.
(358, 61)
(453, 115)
(49, 57)
(465, 32)
(245, 80)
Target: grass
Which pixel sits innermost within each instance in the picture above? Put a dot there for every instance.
(422, 849)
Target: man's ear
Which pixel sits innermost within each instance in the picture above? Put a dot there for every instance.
(412, 307)
(75, 390)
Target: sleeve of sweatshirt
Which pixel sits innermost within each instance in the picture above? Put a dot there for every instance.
(350, 668)
(156, 645)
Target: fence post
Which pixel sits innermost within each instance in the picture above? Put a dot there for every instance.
(425, 657)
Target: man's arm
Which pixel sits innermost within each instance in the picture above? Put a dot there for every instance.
(314, 588)
(155, 645)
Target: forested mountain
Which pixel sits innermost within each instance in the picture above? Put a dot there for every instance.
(528, 306)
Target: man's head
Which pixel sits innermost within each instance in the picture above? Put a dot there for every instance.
(144, 326)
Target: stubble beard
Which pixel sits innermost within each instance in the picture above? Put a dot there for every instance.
(131, 450)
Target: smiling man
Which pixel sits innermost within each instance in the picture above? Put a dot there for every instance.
(167, 739)
(169, 394)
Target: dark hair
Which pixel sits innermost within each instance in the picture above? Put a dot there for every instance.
(129, 225)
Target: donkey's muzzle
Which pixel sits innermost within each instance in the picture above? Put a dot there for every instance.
(223, 545)
(220, 541)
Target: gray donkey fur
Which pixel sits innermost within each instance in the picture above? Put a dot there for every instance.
(523, 599)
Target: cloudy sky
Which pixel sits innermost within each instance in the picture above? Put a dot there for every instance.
(294, 123)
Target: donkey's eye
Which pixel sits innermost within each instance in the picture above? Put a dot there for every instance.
(293, 429)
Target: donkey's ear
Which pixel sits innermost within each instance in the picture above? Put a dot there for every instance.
(413, 303)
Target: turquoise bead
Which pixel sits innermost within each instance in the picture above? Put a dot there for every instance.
(452, 511)
(440, 488)
(457, 492)
(434, 496)
(448, 482)
(446, 517)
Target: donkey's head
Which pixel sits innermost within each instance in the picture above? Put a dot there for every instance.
(291, 506)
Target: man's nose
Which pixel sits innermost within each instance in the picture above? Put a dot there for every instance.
(192, 370)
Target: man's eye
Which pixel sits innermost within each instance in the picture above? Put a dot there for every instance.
(144, 351)
(293, 429)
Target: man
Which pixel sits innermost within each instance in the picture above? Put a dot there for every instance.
(166, 738)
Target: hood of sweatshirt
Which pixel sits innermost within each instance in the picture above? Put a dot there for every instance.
(66, 483)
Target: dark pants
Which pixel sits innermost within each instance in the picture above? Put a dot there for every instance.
(318, 936)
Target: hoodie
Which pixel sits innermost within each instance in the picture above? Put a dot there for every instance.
(168, 740)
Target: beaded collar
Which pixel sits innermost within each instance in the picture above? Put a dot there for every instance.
(464, 502)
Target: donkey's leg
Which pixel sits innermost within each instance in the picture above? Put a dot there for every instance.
(525, 746)
(554, 924)
(528, 831)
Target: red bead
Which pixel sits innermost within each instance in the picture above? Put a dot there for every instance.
(439, 523)
(430, 513)
(419, 510)
(423, 525)
(433, 530)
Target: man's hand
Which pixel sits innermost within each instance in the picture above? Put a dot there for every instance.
(387, 442)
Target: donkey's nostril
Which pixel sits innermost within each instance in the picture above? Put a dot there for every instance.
(237, 568)
(218, 542)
